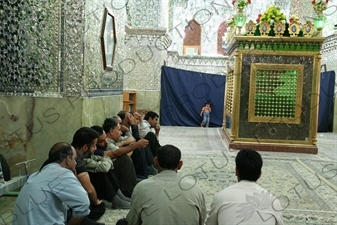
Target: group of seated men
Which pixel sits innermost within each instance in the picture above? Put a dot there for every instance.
(113, 162)
(109, 161)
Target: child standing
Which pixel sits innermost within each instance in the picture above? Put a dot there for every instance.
(206, 114)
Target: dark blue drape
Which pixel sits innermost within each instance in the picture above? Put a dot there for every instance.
(326, 101)
(183, 94)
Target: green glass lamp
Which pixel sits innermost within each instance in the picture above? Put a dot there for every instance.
(319, 23)
(240, 20)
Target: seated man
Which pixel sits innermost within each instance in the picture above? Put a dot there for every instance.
(123, 167)
(230, 206)
(84, 142)
(118, 147)
(150, 121)
(45, 195)
(137, 118)
(172, 199)
(95, 174)
(130, 124)
(126, 132)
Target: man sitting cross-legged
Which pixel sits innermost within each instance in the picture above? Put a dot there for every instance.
(130, 132)
(118, 147)
(97, 207)
(132, 122)
(102, 182)
(143, 159)
(149, 122)
(245, 202)
(46, 195)
(129, 125)
(124, 169)
(172, 199)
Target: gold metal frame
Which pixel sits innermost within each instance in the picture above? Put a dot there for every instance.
(234, 43)
(250, 28)
(294, 29)
(264, 28)
(277, 38)
(270, 141)
(315, 101)
(236, 95)
(308, 29)
(312, 139)
(279, 28)
(252, 93)
(234, 51)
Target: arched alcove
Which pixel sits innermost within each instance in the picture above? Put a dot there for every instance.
(222, 29)
(192, 39)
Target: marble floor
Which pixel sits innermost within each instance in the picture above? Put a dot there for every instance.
(6, 209)
(306, 184)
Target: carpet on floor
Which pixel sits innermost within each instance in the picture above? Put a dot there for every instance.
(305, 184)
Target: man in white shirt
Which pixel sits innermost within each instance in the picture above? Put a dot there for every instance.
(47, 194)
(145, 131)
(150, 121)
(245, 202)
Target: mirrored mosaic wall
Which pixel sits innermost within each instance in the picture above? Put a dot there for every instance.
(142, 13)
(29, 46)
(146, 53)
(52, 48)
(202, 64)
(72, 35)
(329, 47)
(329, 54)
(331, 14)
(99, 82)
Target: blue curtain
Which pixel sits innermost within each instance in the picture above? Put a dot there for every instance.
(184, 93)
(326, 101)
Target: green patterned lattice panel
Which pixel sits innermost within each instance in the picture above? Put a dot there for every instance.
(276, 93)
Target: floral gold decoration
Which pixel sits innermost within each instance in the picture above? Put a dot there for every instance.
(272, 15)
(264, 28)
(250, 28)
(279, 28)
(308, 29)
(294, 29)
